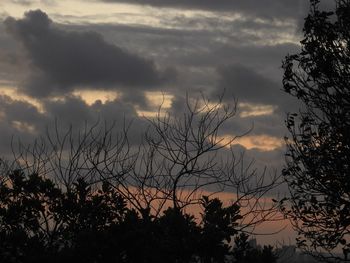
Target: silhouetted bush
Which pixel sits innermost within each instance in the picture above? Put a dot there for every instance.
(39, 222)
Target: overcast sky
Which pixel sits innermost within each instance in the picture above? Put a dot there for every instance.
(73, 62)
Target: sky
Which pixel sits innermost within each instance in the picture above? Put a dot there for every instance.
(72, 62)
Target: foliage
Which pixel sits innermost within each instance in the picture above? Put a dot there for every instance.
(41, 223)
(243, 252)
(318, 156)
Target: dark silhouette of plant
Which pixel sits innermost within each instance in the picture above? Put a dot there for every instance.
(41, 223)
(180, 159)
(38, 220)
(241, 247)
(219, 225)
(243, 252)
(318, 156)
(92, 197)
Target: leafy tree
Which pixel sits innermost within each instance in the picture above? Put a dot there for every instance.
(318, 156)
(243, 252)
(241, 247)
(219, 225)
(41, 223)
(38, 221)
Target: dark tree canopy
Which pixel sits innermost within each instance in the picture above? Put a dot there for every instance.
(318, 157)
(41, 223)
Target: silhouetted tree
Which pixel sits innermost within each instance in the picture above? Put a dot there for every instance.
(241, 247)
(219, 225)
(93, 197)
(318, 157)
(243, 252)
(41, 223)
(180, 159)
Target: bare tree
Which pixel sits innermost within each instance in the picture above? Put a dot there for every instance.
(180, 159)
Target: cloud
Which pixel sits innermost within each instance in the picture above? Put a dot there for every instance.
(63, 60)
(18, 119)
(23, 121)
(259, 142)
(262, 105)
(263, 8)
(197, 53)
(210, 52)
(248, 85)
(22, 2)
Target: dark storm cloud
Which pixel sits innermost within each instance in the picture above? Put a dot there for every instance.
(244, 50)
(197, 53)
(210, 46)
(63, 59)
(257, 56)
(22, 121)
(247, 84)
(266, 59)
(250, 86)
(75, 111)
(262, 8)
(270, 124)
(10, 64)
(16, 119)
(8, 67)
(15, 110)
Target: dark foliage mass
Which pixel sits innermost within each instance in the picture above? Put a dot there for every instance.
(318, 154)
(39, 222)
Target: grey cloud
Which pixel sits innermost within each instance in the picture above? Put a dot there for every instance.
(13, 114)
(205, 48)
(20, 111)
(250, 86)
(262, 8)
(70, 110)
(271, 125)
(11, 64)
(22, 121)
(65, 59)
(263, 58)
(73, 110)
(22, 2)
(218, 41)
(196, 52)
